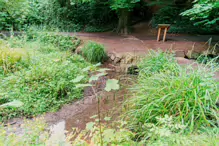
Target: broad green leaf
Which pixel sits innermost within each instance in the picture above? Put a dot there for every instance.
(112, 84)
(90, 125)
(15, 103)
(83, 85)
(77, 79)
(96, 77)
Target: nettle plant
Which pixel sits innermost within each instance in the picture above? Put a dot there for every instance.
(111, 84)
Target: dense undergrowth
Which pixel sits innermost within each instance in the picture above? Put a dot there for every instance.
(172, 105)
(37, 70)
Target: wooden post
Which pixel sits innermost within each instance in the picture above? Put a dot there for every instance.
(165, 34)
(158, 35)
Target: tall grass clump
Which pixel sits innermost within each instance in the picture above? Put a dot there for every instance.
(11, 59)
(190, 98)
(94, 52)
(155, 62)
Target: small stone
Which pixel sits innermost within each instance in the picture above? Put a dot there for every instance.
(112, 57)
(117, 60)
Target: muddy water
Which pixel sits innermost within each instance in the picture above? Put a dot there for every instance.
(79, 113)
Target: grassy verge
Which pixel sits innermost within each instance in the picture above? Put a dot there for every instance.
(189, 96)
(37, 69)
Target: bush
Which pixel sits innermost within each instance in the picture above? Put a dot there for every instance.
(189, 97)
(94, 52)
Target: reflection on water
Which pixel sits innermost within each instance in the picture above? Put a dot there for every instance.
(58, 136)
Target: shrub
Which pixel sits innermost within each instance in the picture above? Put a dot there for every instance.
(62, 41)
(189, 97)
(94, 52)
(155, 62)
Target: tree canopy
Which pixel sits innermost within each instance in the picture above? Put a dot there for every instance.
(205, 12)
(102, 15)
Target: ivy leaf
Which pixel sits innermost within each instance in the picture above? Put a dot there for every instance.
(15, 103)
(77, 79)
(83, 85)
(112, 84)
(96, 77)
(90, 125)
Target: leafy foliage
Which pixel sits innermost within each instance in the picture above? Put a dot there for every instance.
(123, 4)
(62, 41)
(205, 12)
(170, 13)
(43, 85)
(13, 13)
(94, 52)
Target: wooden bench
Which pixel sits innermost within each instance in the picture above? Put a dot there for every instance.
(166, 28)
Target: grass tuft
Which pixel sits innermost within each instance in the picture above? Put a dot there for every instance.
(94, 52)
(190, 95)
(155, 62)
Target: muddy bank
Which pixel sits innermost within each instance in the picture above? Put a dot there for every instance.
(78, 113)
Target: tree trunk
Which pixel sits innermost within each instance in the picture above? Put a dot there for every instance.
(123, 22)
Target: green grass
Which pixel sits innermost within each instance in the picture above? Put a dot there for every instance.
(155, 62)
(94, 52)
(44, 83)
(188, 94)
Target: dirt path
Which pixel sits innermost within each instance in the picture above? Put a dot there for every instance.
(143, 38)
